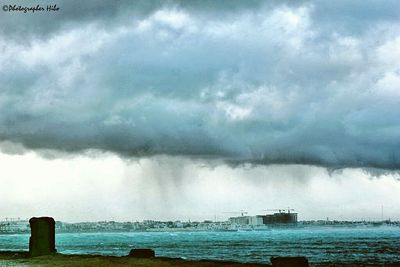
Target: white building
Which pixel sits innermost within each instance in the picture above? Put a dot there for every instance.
(256, 220)
(14, 226)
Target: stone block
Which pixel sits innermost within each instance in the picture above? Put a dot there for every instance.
(289, 262)
(142, 253)
(42, 240)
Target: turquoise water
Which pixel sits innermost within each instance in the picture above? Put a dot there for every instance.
(353, 246)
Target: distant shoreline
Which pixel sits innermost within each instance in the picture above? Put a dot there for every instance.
(22, 226)
(90, 228)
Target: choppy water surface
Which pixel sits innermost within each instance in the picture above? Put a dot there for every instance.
(321, 245)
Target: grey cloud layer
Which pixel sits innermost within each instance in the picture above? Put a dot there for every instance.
(247, 82)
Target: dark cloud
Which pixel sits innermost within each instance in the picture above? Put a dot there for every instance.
(109, 14)
(244, 82)
(351, 17)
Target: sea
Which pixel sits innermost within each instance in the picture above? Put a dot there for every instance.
(352, 246)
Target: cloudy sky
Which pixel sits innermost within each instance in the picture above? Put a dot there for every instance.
(129, 110)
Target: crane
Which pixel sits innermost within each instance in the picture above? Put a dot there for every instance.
(242, 212)
(289, 209)
(280, 210)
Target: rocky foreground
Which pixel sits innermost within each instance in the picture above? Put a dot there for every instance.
(8, 258)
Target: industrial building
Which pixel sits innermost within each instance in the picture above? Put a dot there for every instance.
(282, 217)
(256, 220)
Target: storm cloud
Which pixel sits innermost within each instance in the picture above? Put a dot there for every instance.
(243, 81)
